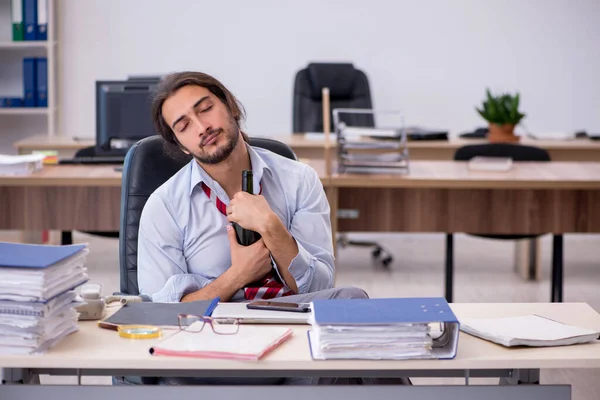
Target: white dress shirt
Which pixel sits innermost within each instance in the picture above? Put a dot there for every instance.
(183, 243)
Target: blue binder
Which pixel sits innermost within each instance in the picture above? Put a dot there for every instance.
(30, 19)
(392, 311)
(6, 102)
(42, 20)
(42, 82)
(19, 255)
(29, 82)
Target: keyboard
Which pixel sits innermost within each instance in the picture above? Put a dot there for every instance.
(94, 160)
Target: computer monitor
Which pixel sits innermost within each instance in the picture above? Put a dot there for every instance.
(123, 114)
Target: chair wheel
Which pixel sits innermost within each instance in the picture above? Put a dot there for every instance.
(376, 252)
(387, 261)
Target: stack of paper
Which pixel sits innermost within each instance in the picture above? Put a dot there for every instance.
(20, 165)
(382, 329)
(37, 298)
(384, 152)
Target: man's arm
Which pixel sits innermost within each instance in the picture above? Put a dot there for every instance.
(304, 254)
(162, 268)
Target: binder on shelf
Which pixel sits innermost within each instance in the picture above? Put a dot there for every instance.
(392, 328)
(29, 82)
(30, 19)
(41, 82)
(9, 102)
(42, 20)
(16, 7)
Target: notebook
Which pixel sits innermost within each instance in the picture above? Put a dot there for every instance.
(159, 314)
(251, 343)
(527, 330)
(246, 316)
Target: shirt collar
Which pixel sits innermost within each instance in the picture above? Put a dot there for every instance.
(259, 166)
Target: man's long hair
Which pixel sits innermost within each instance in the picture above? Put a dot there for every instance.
(173, 82)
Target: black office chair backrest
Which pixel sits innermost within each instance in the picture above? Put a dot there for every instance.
(147, 166)
(517, 152)
(348, 88)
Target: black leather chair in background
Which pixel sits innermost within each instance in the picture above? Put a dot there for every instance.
(518, 153)
(146, 167)
(348, 88)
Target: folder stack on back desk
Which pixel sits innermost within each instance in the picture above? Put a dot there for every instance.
(409, 328)
(37, 297)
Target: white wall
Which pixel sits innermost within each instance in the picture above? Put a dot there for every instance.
(432, 59)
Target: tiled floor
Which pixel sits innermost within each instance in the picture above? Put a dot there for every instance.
(483, 273)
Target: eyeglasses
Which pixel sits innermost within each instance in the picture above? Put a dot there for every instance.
(220, 326)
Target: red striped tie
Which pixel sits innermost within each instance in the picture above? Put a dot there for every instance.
(270, 286)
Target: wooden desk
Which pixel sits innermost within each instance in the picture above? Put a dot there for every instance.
(94, 351)
(307, 146)
(62, 197)
(444, 196)
(437, 196)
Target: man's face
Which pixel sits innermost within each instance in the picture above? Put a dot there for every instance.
(201, 123)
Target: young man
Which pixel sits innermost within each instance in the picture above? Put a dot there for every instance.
(187, 249)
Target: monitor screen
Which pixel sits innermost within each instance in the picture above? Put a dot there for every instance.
(123, 114)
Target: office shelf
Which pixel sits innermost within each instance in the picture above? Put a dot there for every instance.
(17, 52)
(24, 110)
(26, 45)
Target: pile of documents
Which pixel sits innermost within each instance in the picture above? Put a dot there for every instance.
(371, 150)
(37, 297)
(393, 329)
(20, 165)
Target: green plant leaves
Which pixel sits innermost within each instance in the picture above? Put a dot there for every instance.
(503, 109)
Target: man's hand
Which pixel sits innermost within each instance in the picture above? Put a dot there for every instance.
(250, 211)
(248, 263)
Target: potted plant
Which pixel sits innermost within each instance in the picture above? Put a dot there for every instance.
(502, 113)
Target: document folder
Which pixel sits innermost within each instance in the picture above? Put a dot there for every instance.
(392, 316)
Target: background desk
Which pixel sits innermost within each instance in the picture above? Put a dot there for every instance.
(313, 148)
(65, 197)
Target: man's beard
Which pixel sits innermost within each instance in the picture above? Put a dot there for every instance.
(232, 135)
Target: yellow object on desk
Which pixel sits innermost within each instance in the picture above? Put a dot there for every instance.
(139, 331)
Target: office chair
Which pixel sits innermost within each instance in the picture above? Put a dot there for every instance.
(147, 167)
(66, 237)
(518, 153)
(348, 88)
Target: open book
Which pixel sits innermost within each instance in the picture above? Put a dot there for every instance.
(526, 330)
(249, 343)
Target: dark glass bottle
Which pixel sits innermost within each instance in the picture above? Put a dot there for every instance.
(246, 237)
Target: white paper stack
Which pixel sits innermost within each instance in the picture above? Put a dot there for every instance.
(20, 165)
(372, 342)
(37, 297)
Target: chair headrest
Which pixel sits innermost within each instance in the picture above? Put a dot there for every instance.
(338, 77)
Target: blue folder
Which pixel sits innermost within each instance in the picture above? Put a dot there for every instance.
(390, 311)
(29, 82)
(41, 82)
(19, 255)
(30, 19)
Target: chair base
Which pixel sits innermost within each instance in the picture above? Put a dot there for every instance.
(377, 252)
